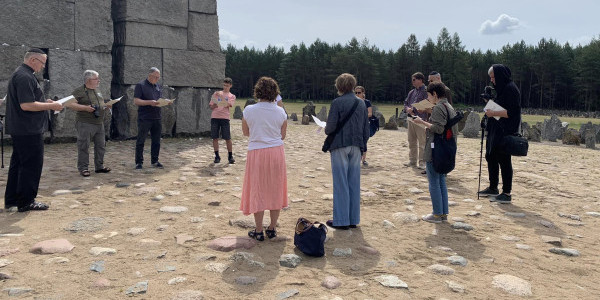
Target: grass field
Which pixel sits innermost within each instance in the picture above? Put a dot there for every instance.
(390, 109)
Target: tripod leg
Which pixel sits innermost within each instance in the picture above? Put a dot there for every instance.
(480, 160)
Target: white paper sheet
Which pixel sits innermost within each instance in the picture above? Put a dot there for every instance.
(113, 101)
(493, 106)
(164, 102)
(319, 122)
(64, 101)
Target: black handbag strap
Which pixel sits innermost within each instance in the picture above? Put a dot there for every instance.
(341, 123)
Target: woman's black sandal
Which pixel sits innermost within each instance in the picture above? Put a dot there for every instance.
(259, 236)
(271, 233)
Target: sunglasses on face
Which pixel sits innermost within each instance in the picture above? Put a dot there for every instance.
(358, 93)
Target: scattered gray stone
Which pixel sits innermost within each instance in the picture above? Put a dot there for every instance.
(415, 190)
(56, 260)
(4, 276)
(214, 203)
(556, 241)
(52, 246)
(458, 260)
(139, 288)
(523, 247)
(162, 227)
(547, 224)
(102, 251)
(172, 193)
(165, 267)
(455, 287)
(473, 213)
(61, 192)
(342, 252)
(457, 219)
(176, 280)
(572, 217)
(289, 260)
(216, 267)
(288, 293)
(512, 285)
(18, 291)
(189, 295)
(97, 266)
(122, 184)
(90, 224)
(197, 220)
(158, 198)
(388, 224)
(247, 257)
(136, 231)
(593, 214)
(331, 282)
(565, 251)
(515, 214)
(406, 217)
(174, 209)
(245, 280)
(391, 281)
(463, 226)
(511, 238)
(452, 203)
(441, 269)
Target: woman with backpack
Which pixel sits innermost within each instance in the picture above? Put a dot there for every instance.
(441, 114)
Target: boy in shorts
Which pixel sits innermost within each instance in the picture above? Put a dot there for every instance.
(219, 119)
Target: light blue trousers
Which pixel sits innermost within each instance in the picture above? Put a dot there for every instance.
(437, 190)
(345, 169)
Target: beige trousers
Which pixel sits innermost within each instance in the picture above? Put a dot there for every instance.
(416, 143)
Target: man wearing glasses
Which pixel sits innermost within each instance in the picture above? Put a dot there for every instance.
(416, 133)
(89, 123)
(26, 122)
(435, 76)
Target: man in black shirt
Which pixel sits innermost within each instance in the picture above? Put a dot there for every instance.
(26, 122)
(149, 117)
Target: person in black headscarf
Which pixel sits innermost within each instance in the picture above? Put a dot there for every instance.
(509, 97)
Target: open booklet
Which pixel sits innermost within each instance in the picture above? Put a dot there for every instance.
(220, 102)
(423, 105)
(64, 101)
(493, 106)
(164, 102)
(113, 101)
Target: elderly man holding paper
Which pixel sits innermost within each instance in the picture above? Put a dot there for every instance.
(26, 122)
(416, 133)
(89, 123)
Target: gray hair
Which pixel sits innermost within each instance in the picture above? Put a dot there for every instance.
(153, 70)
(491, 70)
(88, 74)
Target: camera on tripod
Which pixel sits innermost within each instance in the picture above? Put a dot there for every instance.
(96, 111)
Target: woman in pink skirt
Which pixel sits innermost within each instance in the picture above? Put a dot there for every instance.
(265, 181)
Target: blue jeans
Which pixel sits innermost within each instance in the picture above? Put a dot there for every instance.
(437, 190)
(345, 169)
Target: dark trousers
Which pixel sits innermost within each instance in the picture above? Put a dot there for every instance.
(155, 128)
(498, 161)
(25, 170)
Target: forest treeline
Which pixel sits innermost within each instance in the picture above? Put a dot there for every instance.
(549, 75)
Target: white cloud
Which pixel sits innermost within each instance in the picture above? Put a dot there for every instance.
(504, 24)
(225, 35)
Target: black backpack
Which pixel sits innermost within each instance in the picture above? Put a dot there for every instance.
(443, 152)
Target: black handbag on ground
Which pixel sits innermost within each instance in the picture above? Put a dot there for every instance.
(443, 152)
(310, 239)
(340, 124)
(515, 144)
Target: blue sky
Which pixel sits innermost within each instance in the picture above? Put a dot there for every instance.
(387, 24)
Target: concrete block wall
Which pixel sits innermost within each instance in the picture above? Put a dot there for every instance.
(122, 40)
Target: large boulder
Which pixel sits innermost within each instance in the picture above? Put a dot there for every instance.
(380, 117)
(590, 139)
(591, 127)
(305, 120)
(463, 122)
(237, 113)
(402, 120)
(308, 110)
(392, 124)
(571, 137)
(532, 133)
(322, 115)
(294, 117)
(552, 129)
(472, 126)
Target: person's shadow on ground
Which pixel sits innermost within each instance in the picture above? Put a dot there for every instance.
(461, 242)
(363, 257)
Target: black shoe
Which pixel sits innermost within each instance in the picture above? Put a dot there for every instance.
(138, 166)
(502, 198)
(34, 206)
(353, 226)
(489, 192)
(231, 160)
(259, 236)
(330, 224)
(217, 160)
(157, 165)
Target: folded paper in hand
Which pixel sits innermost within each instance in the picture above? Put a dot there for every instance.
(423, 105)
(220, 102)
(319, 122)
(493, 106)
(164, 102)
(113, 101)
(64, 101)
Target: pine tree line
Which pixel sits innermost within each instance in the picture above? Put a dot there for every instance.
(549, 75)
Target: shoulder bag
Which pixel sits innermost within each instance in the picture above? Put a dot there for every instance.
(310, 237)
(338, 127)
(443, 150)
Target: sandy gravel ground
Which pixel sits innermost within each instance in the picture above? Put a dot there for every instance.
(555, 194)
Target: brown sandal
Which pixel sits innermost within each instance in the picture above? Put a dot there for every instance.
(103, 170)
(85, 173)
